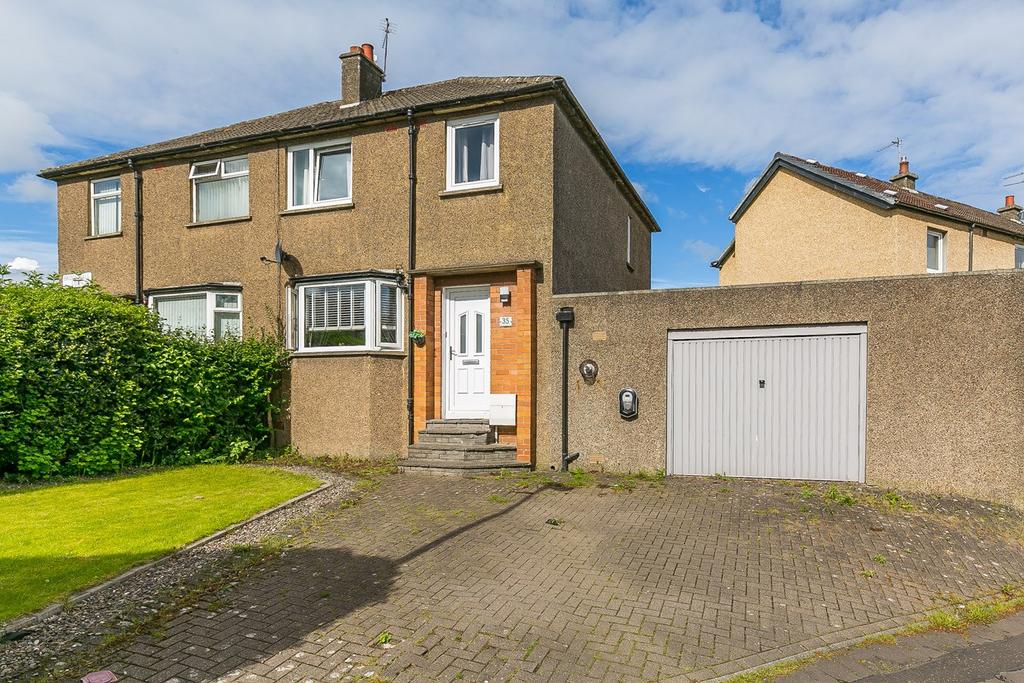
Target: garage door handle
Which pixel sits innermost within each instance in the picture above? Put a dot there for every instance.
(760, 384)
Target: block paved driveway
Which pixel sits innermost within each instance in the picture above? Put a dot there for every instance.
(680, 580)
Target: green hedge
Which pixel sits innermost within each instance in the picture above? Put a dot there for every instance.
(89, 385)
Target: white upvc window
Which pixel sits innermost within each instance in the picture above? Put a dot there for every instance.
(473, 153)
(220, 189)
(213, 314)
(1018, 256)
(347, 315)
(935, 251)
(105, 200)
(320, 174)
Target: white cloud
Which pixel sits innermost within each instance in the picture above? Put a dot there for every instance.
(709, 83)
(23, 263)
(24, 253)
(703, 188)
(30, 188)
(701, 249)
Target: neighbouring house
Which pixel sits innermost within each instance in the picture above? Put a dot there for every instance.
(804, 220)
(455, 209)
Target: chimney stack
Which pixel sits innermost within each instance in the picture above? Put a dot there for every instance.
(361, 78)
(905, 178)
(1010, 209)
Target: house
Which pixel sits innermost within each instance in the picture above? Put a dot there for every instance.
(804, 220)
(454, 209)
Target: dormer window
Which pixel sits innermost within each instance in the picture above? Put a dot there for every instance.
(473, 153)
(220, 189)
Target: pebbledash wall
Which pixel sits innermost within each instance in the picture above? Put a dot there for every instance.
(945, 372)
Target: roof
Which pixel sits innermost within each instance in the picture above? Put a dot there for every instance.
(329, 114)
(462, 91)
(881, 193)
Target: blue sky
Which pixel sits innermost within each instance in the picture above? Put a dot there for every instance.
(693, 97)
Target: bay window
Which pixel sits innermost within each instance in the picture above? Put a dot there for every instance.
(320, 174)
(220, 189)
(346, 315)
(105, 198)
(473, 153)
(214, 314)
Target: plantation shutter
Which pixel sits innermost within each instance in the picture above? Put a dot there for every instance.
(336, 307)
(388, 314)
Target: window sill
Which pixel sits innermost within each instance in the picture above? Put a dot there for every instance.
(317, 209)
(103, 237)
(219, 221)
(463, 192)
(389, 353)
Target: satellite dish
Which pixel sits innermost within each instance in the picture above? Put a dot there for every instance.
(280, 255)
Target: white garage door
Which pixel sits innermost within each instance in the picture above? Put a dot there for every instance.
(768, 402)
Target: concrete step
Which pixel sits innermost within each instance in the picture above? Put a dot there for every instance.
(462, 452)
(471, 438)
(465, 469)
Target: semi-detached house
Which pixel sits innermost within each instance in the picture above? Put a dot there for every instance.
(452, 209)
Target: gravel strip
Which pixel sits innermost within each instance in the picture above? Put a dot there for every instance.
(114, 608)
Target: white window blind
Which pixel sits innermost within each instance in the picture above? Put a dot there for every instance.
(106, 206)
(388, 314)
(187, 313)
(220, 189)
(335, 315)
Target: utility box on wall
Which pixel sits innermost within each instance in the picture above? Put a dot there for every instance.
(503, 410)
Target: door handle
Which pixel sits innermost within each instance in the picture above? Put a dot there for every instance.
(450, 353)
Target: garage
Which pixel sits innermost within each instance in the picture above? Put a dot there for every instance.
(784, 402)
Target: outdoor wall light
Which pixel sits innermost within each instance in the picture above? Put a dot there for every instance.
(588, 369)
(505, 296)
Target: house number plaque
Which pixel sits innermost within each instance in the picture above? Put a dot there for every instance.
(505, 321)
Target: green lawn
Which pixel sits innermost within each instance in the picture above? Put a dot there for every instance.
(59, 539)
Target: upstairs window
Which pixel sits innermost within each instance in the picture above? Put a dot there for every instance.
(473, 152)
(320, 175)
(1018, 256)
(935, 251)
(202, 313)
(348, 316)
(220, 189)
(105, 197)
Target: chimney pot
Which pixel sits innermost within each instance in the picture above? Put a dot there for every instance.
(355, 48)
(368, 51)
(1010, 209)
(1009, 200)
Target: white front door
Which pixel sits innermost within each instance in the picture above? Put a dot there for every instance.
(466, 349)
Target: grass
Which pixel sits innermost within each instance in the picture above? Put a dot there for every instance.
(61, 539)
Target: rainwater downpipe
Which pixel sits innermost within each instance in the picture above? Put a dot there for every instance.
(137, 175)
(565, 317)
(970, 247)
(412, 265)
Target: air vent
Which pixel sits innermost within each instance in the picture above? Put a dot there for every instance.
(861, 175)
(891, 192)
(941, 206)
(811, 161)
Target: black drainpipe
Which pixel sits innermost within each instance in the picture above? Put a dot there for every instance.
(412, 265)
(137, 173)
(565, 317)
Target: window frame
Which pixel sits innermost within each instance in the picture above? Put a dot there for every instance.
(1018, 255)
(315, 150)
(469, 122)
(93, 196)
(372, 287)
(217, 174)
(941, 249)
(211, 305)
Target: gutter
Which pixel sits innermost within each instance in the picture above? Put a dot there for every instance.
(137, 175)
(720, 261)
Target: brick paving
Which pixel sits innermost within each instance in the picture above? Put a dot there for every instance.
(680, 580)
